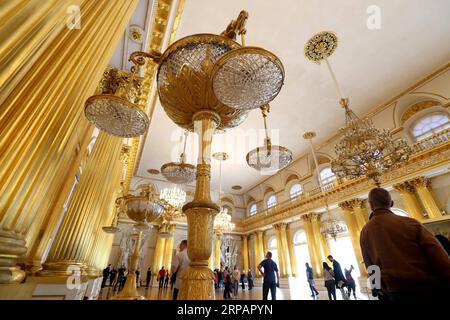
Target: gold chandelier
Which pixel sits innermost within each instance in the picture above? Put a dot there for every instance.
(363, 149)
(222, 221)
(206, 83)
(268, 158)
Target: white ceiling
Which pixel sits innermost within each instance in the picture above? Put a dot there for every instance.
(371, 66)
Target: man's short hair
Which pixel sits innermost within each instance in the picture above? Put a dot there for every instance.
(184, 242)
(330, 256)
(380, 197)
(269, 254)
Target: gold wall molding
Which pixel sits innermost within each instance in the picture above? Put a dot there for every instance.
(417, 107)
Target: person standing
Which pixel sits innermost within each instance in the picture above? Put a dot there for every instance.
(106, 275)
(166, 280)
(148, 279)
(112, 276)
(216, 278)
(179, 265)
(220, 277)
(161, 275)
(138, 275)
(226, 284)
(243, 279)
(328, 276)
(350, 282)
(338, 276)
(236, 277)
(173, 278)
(411, 263)
(250, 279)
(310, 279)
(120, 277)
(270, 282)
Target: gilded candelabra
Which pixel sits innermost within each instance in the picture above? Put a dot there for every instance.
(363, 149)
(208, 83)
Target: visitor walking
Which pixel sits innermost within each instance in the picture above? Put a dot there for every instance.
(148, 279)
(339, 277)
(112, 276)
(310, 279)
(220, 278)
(328, 276)
(236, 277)
(106, 272)
(350, 282)
(166, 280)
(161, 275)
(138, 275)
(179, 265)
(243, 279)
(412, 263)
(121, 277)
(270, 282)
(173, 278)
(250, 279)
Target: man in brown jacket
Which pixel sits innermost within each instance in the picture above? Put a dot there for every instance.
(413, 264)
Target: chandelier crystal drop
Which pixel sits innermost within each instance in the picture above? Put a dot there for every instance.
(174, 196)
(268, 158)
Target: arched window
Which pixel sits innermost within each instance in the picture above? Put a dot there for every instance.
(429, 125)
(326, 175)
(400, 212)
(272, 243)
(253, 209)
(300, 238)
(295, 190)
(271, 201)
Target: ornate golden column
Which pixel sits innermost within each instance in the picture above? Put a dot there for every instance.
(217, 247)
(168, 251)
(159, 250)
(198, 279)
(284, 250)
(314, 252)
(291, 252)
(256, 254)
(319, 240)
(264, 244)
(353, 229)
(361, 213)
(93, 195)
(261, 253)
(47, 71)
(245, 252)
(423, 188)
(280, 250)
(410, 201)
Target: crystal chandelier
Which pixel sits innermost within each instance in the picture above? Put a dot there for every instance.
(173, 196)
(268, 157)
(179, 172)
(330, 226)
(222, 221)
(363, 149)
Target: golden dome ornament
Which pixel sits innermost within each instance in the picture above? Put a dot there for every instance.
(116, 110)
(268, 158)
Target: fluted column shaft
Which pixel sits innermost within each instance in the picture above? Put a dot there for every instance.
(281, 262)
(245, 253)
(409, 199)
(217, 249)
(291, 252)
(361, 213)
(47, 71)
(318, 238)
(168, 250)
(77, 232)
(314, 252)
(256, 254)
(159, 249)
(353, 229)
(423, 188)
(261, 253)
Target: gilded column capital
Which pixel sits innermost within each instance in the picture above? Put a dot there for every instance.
(280, 226)
(420, 182)
(315, 216)
(361, 203)
(306, 217)
(172, 227)
(404, 186)
(347, 205)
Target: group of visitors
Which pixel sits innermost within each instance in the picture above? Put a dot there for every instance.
(116, 277)
(230, 281)
(404, 259)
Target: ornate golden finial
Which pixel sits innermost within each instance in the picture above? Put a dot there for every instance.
(236, 27)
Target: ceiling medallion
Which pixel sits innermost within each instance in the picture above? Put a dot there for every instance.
(269, 157)
(321, 46)
(115, 110)
(363, 150)
(153, 171)
(179, 172)
(236, 187)
(135, 33)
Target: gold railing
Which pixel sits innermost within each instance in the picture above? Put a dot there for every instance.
(418, 148)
